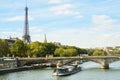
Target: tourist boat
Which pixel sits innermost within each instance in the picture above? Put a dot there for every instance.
(66, 70)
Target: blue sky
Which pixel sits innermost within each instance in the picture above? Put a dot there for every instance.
(81, 23)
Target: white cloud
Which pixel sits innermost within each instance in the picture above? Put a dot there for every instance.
(65, 9)
(105, 39)
(36, 29)
(79, 16)
(8, 33)
(103, 22)
(62, 7)
(37, 37)
(17, 18)
(104, 28)
(11, 4)
(102, 19)
(67, 12)
(54, 1)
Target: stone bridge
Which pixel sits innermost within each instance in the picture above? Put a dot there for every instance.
(104, 61)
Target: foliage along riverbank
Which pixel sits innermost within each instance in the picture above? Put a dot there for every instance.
(39, 49)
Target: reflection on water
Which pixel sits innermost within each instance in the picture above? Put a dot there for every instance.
(61, 78)
(90, 71)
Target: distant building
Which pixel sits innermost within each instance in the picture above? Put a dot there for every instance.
(11, 40)
(117, 47)
(57, 44)
(108, 49)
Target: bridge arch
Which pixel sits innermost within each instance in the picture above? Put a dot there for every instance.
(115, 64)
(104, 62)
(90, 64)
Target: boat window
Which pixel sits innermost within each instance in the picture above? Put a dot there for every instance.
(62, 70)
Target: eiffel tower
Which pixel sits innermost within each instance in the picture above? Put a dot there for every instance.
(26, 36)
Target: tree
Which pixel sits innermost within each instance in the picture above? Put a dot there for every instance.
(59, 52)
(66, 52)
(82, 51)
(71, 52)
(4, 48)
(46, 49)
(19, 48)
(98, 52)
(49, 48)
(34, 48)
(42, 49)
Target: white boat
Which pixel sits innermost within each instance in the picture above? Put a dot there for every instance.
(66, 70)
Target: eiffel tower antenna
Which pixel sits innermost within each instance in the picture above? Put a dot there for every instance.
(26, 2)
(26, 36)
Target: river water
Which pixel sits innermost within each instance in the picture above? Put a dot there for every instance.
(90, 71)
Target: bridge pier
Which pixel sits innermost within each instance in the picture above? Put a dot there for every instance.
(104, 64)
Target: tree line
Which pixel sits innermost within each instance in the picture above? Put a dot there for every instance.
(38, 49)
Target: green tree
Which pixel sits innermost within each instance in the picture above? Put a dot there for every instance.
(82, 51)
(42, 49)
(49, 48)
(34, 48)
(98, 52)
(4, 48)
(46, 49)
(71, 52)
(19, 48)
(66, 52)
(59, 52)
(29, 52)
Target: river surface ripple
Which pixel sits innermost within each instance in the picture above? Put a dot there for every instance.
(90, 71)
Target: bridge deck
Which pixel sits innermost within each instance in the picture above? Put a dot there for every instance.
(79, 57)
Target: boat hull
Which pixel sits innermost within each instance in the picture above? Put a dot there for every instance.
(55, 73)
